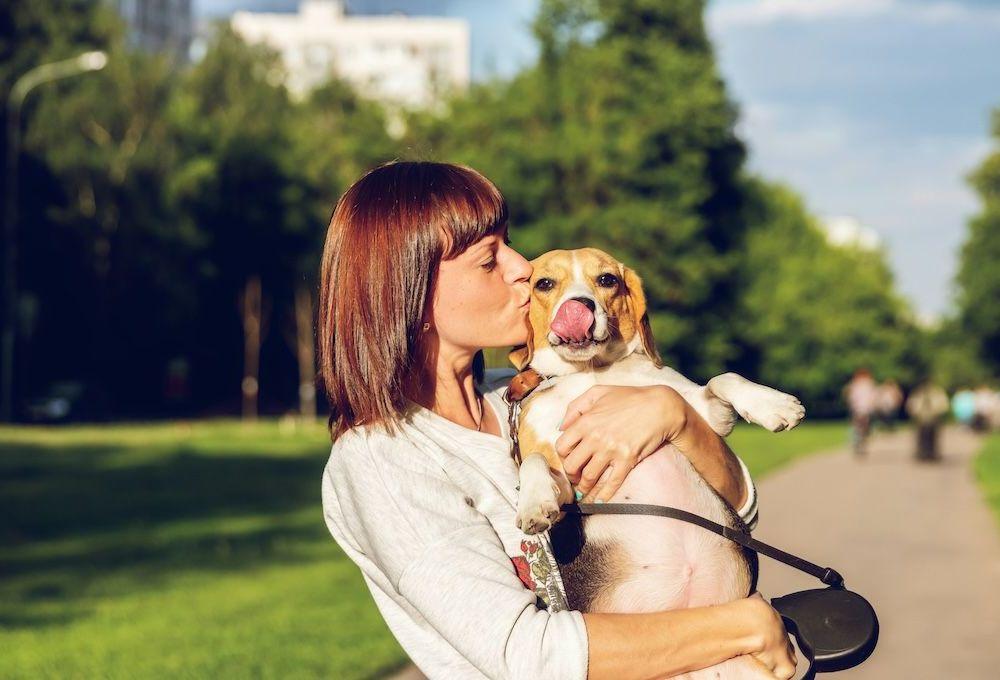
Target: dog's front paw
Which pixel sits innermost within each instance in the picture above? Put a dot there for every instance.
(538, 508)
(539, 518)
(772, 409)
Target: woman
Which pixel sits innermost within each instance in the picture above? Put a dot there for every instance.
(420, 490)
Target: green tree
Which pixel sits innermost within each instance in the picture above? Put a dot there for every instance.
(978, 275)
(813, 312)
(240, 193)
(101, 244)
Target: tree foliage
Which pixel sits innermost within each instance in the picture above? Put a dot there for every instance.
(812, 312)
(978, 275)
(155, 196)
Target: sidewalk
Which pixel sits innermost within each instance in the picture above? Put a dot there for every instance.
(917, 540)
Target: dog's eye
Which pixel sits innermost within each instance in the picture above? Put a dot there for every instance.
(607, 280)
(545, 284)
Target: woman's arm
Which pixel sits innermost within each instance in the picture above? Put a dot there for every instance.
(675, 642)
(707, 451)
(594, 440)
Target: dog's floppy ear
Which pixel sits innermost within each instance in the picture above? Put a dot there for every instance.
(521, 356)
(640, 317)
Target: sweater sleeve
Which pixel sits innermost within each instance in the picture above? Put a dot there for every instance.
(423, 535)
(466, 589)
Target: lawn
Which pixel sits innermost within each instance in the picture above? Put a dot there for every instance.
(198, 550)
(987, 470)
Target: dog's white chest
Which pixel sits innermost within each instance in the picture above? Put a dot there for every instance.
(548, 407)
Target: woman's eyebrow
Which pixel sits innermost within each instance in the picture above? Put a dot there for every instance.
(476, 251)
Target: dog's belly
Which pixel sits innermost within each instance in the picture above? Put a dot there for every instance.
(641, 563)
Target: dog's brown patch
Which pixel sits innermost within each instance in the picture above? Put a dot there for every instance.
(589, 570)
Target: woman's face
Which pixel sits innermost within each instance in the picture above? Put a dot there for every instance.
(481, 296)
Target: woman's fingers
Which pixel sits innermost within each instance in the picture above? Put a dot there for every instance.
(611, 481)
(582, 404)
(590, 476)
(567, 442)
(760, 669)
(577, 459)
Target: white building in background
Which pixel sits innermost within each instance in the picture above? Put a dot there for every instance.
(849, 232)
(395, 58)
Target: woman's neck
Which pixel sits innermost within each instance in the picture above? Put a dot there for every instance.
(447, 387)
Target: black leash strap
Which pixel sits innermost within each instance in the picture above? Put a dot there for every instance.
(825, 574)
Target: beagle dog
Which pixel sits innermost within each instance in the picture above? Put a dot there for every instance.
(589, 326)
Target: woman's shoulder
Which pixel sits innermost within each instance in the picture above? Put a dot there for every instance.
(364, 452)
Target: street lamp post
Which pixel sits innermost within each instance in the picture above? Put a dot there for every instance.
(88, 61)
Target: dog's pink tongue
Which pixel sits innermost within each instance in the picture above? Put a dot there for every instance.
(573, 321)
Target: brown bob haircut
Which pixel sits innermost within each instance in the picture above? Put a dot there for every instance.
(388, 233)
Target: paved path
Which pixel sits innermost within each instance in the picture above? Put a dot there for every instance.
(917, 540)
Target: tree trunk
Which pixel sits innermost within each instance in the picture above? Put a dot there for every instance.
(251, 308)
(305, 351)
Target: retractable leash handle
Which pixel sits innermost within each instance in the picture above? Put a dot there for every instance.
(835, 628)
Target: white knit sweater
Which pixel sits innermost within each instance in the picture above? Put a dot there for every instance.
(428, 517)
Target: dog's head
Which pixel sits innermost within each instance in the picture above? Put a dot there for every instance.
(587, 309)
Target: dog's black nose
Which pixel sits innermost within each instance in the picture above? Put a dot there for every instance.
(586, 302)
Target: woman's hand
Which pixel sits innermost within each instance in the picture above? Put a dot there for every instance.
(608, 429)
(770, 645)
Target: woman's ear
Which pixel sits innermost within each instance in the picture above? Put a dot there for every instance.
(640, 317)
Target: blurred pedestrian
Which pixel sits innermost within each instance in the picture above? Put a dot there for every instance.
(993, 411)
(986, 406)
(926, 406)
(861, 394)
(963, 406)
(887, 402)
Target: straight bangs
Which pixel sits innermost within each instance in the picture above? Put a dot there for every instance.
(388, 234)
(468, 209)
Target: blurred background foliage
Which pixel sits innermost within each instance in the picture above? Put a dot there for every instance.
(153, 196)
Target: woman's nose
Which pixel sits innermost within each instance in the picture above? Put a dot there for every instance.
(520, 269)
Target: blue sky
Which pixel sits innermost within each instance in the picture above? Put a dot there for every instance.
(874, 109)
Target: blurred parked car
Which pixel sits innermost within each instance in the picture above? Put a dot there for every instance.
(62, 402)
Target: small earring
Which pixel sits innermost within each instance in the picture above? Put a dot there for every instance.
(427, 326)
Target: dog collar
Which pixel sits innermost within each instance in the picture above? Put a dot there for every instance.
(521, 385)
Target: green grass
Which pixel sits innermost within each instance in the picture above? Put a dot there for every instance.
(765, 451)
(198, 550)
(987, 470)
(177, 550)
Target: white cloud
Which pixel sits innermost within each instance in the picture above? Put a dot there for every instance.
(763, 12)
(770, 11)
(849, 232)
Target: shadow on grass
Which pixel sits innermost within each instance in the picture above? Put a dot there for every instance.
(94, 521)
(47, 495)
